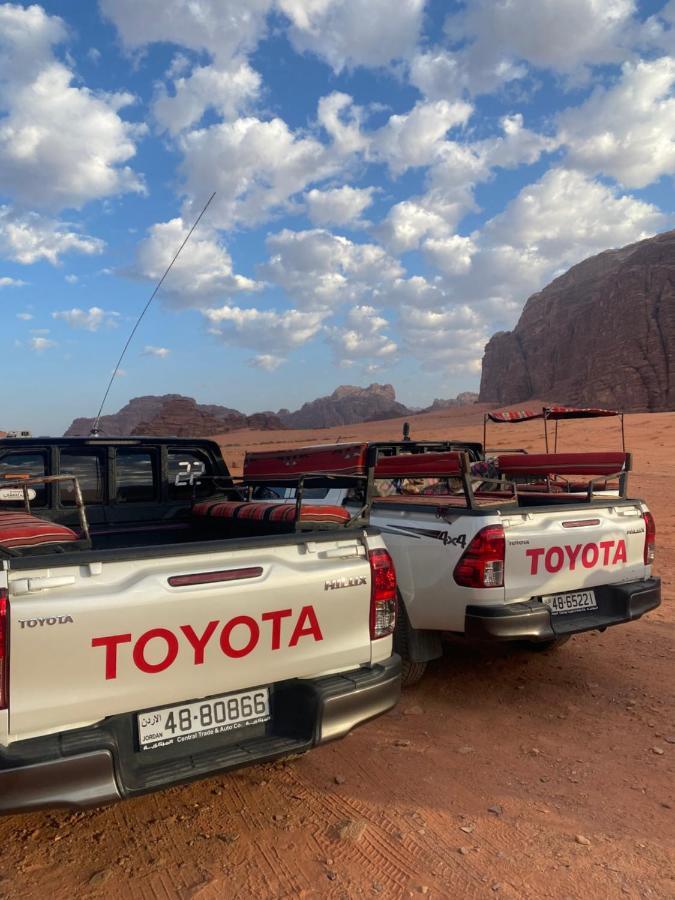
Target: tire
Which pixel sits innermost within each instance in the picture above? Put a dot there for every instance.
(544, 646)
(411, 672)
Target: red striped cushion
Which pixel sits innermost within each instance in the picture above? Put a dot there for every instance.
(269, 511)
(19, 529)
(563, 463)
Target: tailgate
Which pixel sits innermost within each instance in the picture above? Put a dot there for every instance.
(116, 636)
(555, 550)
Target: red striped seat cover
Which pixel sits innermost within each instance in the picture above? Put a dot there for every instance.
(600, 464)
(269, 511)
(20, 529)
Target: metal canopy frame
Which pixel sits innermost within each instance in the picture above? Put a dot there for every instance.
(554, 414)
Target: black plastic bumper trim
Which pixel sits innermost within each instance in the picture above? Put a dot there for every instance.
(84, 780)
(532, 621)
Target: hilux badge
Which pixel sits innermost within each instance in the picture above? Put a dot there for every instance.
(333, 584)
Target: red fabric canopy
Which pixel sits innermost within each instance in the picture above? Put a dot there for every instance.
(577, 412)
(514, 415)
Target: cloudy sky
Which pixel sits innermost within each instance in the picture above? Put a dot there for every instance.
(392, 180)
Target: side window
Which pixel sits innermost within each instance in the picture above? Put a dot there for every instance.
(186, 469)
(135, 476)
(22, 465)
(89, 467)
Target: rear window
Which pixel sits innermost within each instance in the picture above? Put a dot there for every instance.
(22, 464)
(186, 475)
(135, 480)
(89, 468)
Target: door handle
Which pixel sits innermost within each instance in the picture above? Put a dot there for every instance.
(33, 585)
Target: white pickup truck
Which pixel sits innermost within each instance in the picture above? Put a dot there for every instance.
(551, 548)
(147, 639)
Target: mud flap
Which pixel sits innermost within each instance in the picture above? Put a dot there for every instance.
(415, 644)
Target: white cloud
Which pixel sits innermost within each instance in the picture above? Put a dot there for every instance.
(28, 238)
(628, 130)
(25, 316)
(317, 268)
(6, 281)
(415, 138)
(338, 206)
(565, 217)
(348, 33)
(255, 167)
(158, 352)
(437, 74)
(71, 279)
(201, 273)
(269, 332)
(86, 319)
(451, 255)
(452, 339)
(38, 344)
(362, 340)
(268, 362)
(341, 119)
(409, 221)
(225, 28)
(60, 145)
(228, 91)
(563, 35)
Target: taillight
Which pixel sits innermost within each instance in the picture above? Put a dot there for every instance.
(382, 594)
(650, 538)
(482, 563)
(4, 649)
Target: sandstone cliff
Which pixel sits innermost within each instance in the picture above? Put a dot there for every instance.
(603, 333)
(346, 405)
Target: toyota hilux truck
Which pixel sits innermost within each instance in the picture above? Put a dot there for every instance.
(550, 547)
(151, 634)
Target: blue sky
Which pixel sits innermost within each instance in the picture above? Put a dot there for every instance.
(392, 182)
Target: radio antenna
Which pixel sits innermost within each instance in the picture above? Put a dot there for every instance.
(95, 429)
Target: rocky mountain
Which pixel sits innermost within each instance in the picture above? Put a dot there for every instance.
(182, 416)
(176, 415)
(346, 405)
(603, 333)
(466, 398)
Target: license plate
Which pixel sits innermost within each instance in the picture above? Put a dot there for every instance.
(187, 722)
(574, 601)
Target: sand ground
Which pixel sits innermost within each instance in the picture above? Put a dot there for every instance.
(503, 774)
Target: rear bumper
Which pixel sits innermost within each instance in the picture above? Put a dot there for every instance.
(531, 621)
(92, 766)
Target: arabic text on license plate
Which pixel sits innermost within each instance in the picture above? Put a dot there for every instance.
(574, 601)
(188, 721)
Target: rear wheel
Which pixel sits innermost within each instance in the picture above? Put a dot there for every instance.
(411, 671)
(543, 646)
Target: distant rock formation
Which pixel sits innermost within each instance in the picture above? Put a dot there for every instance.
(173, 414)
(466, 398)
(603, 333)
(345, 406)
